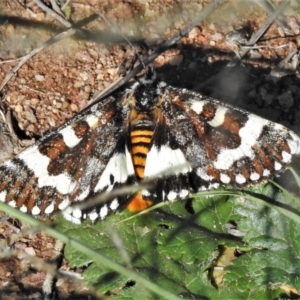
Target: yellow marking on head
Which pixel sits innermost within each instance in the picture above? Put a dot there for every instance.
(138, 203)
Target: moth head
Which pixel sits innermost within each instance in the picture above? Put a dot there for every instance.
(146, 97)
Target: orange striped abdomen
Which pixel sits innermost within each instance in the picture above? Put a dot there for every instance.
(140, 145)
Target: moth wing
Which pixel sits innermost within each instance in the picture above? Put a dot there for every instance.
(207, 143)
(76, 160)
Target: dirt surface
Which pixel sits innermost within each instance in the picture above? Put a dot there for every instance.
(59, 80)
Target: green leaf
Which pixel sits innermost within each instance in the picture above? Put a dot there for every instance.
(174, 247)
(170, 246)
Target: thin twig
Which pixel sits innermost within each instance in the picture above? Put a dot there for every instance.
(59, 17)
(56, 8)
(9, 61)
(65, 5)
(270, 10)
(53, 13)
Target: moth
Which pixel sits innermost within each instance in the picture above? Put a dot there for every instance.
(183, 141)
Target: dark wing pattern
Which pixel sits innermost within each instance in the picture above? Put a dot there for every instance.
(65, 165)
(223, 144)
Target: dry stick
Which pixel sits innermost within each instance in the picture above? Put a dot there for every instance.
(287, 66)
(8, 122)
(65, 5)
(270, 10)
(256, 36)
(60, 17)
(55, 39)
(203, 15)
(53, 13)
(56, 8)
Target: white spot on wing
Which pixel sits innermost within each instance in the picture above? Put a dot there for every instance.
(165, 161)
(35, 210)
(103, 212)
(93, 216)
(277, 166)
(214, 185)
(146, 193)
(64, 204)
(77, 213)
(114, 204)
(3, 196)
(266, 173)
(219, 117)
(12, 203)
(240, 179)
(183, 194)
(67, 214)
(23, 209)
(249, 135)
(286, 157)
(162, 84)
(197, 106)
(254, 176)
(49, 209)
(38, 163)
(69, 136)
(202, 188)
(172, 196)
(224, 178)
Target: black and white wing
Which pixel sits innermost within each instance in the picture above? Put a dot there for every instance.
(226, 145)
(78, 159)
